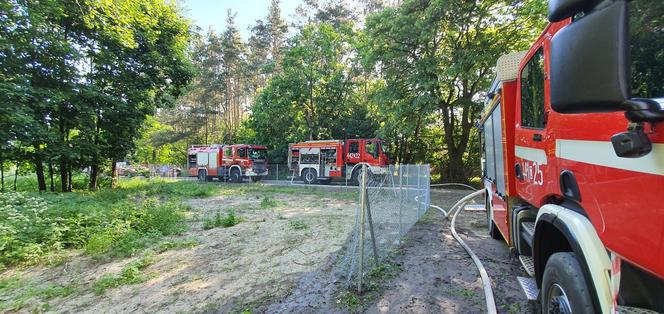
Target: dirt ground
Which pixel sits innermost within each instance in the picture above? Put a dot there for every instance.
(435, 275)
(285, 260)
(438, 275)
(230, 270)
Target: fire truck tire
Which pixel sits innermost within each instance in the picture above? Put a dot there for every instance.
(564, 288)
(309, 176)
(355, 177)
(236, 176)
(255, 179)
(201, 175)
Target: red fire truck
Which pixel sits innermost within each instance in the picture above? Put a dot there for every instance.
(227, 162)
(320, 161)
(573, 162)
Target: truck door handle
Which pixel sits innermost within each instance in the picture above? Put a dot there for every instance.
(518, 171)
(537, 137)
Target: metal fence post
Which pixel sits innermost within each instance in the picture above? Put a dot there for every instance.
(363, 195)
(400, 200)
(418, 191)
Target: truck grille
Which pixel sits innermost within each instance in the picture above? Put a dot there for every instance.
(259, 168)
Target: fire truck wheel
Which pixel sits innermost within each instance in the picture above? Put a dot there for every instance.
(564, 289)
(255, 179)
(355, 177)
(309, 176)
(201, 175)
(236, 177)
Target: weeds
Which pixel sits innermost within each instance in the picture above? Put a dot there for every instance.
(268, 202)
(298, 224)
(29, 292)
(132, 273)
(228, 220)
(177, 244)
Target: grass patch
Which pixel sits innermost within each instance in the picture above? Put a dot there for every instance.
(31, 294)
(132, 273)
(268, 202)
(177, 244)
(228, 220)
(373, 283)
(116, 222)
(298, 224)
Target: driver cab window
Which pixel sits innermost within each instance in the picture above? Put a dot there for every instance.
(532, 92)
(228, 152)
(242, 152)
(354, 147)
(371, 147)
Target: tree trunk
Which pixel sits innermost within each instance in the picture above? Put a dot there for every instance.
(15, 176)
(69, 188)
(64, 181)
(94, 174)
(39, 168)
(2, 174)
(50, 175)
(114, 174)
(455, 171)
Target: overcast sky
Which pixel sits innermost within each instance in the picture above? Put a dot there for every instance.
(206, 13)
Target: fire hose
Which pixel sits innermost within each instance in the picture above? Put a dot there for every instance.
(458, 206)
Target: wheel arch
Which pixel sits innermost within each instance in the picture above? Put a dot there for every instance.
(230, 169)
(559, 229)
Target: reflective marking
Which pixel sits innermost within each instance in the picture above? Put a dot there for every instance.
(531, 154)
(601, 153)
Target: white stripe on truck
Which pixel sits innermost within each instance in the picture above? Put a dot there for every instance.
(601, 153)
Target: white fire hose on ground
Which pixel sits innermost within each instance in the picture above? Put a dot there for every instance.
(486, 282)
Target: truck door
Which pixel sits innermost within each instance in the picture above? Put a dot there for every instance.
(353, 151)
(531, 139)
(371, 153)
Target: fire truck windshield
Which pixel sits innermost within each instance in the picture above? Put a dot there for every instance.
(255, 153)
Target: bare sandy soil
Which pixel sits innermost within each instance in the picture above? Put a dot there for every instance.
(232, 269)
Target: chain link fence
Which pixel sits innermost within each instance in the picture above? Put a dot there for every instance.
(391, 205)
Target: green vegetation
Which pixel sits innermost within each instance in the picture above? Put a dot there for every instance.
(373, 282)
(228, 220)
(298, 224)
(29, 291)
(109, 222)
(80, 97)
(132, 273)
(268, 202)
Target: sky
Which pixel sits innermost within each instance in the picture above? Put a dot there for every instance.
(206, 13)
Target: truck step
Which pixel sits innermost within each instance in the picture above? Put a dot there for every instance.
(474, 208)
(527, 232)
(528, 227)
(633, 310)
(529, 287)
(528, 265)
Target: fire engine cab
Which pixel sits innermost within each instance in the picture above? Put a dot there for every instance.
(227, 162)
(573, 161)
(320, 161)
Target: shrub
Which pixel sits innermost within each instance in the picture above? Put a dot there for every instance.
(268, 202)
(228, 220)
(298, 224)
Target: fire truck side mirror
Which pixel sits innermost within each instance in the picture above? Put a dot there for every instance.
(590, 61)
(562, 9)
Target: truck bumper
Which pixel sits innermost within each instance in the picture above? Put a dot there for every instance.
(251, 173)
